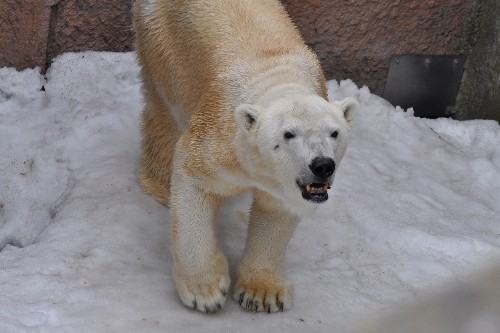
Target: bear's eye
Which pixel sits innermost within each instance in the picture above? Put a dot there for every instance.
(335, 134)
(289, 135)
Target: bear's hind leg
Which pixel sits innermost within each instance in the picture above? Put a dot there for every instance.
(159, 136)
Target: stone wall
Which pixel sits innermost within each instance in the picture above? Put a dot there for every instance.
(353, 39)
(24, 33)
(99, 25)
(479, 95)
(32, 32)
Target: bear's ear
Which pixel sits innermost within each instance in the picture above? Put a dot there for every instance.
(247, 116)
(349, 107)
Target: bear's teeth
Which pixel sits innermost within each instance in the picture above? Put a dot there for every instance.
(317, 188)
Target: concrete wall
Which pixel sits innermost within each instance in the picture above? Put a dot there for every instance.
(99, 25)
(24, 33)
(353, 39)
(479, 95)
(32, 32)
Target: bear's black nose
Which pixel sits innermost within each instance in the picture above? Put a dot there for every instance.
(322, 167)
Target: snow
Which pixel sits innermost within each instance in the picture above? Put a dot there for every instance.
(415, 206)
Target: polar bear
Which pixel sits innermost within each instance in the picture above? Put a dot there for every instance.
(234, 101)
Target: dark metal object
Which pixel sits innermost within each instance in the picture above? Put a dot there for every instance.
(428, 83)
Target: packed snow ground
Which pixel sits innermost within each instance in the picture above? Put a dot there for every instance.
(415, 205)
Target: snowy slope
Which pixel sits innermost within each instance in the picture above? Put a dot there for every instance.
(415, 205)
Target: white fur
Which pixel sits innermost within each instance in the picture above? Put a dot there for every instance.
(312, 120)
(147, 9)
(224, 81)
(206, 259)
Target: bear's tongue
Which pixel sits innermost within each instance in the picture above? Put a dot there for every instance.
(317, 188)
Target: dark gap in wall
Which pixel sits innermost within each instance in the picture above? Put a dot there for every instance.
(54, 10)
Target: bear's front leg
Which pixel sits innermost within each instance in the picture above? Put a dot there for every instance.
(200, 268)
(261, 284)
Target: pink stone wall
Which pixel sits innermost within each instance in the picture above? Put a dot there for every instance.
(24, 31)
(99, 25)
(353, 39)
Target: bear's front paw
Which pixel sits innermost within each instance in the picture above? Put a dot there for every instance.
(263, 292)
(204, 291)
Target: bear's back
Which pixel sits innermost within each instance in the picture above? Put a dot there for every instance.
(191, 45)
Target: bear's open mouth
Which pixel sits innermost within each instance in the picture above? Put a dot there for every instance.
(315, 192)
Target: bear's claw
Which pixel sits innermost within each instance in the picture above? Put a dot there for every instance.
(253, 297)
(203, 295)
(206, 290)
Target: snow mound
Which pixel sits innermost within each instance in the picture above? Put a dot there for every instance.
(414, 206)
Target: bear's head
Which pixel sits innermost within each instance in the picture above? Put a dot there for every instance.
(299, 142)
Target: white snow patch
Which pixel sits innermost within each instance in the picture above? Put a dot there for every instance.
(415, 205)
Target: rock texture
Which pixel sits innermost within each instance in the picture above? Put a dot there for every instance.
(24, 32)
(99, 25)
(32, 32)
(479, 96)
(353, 39)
